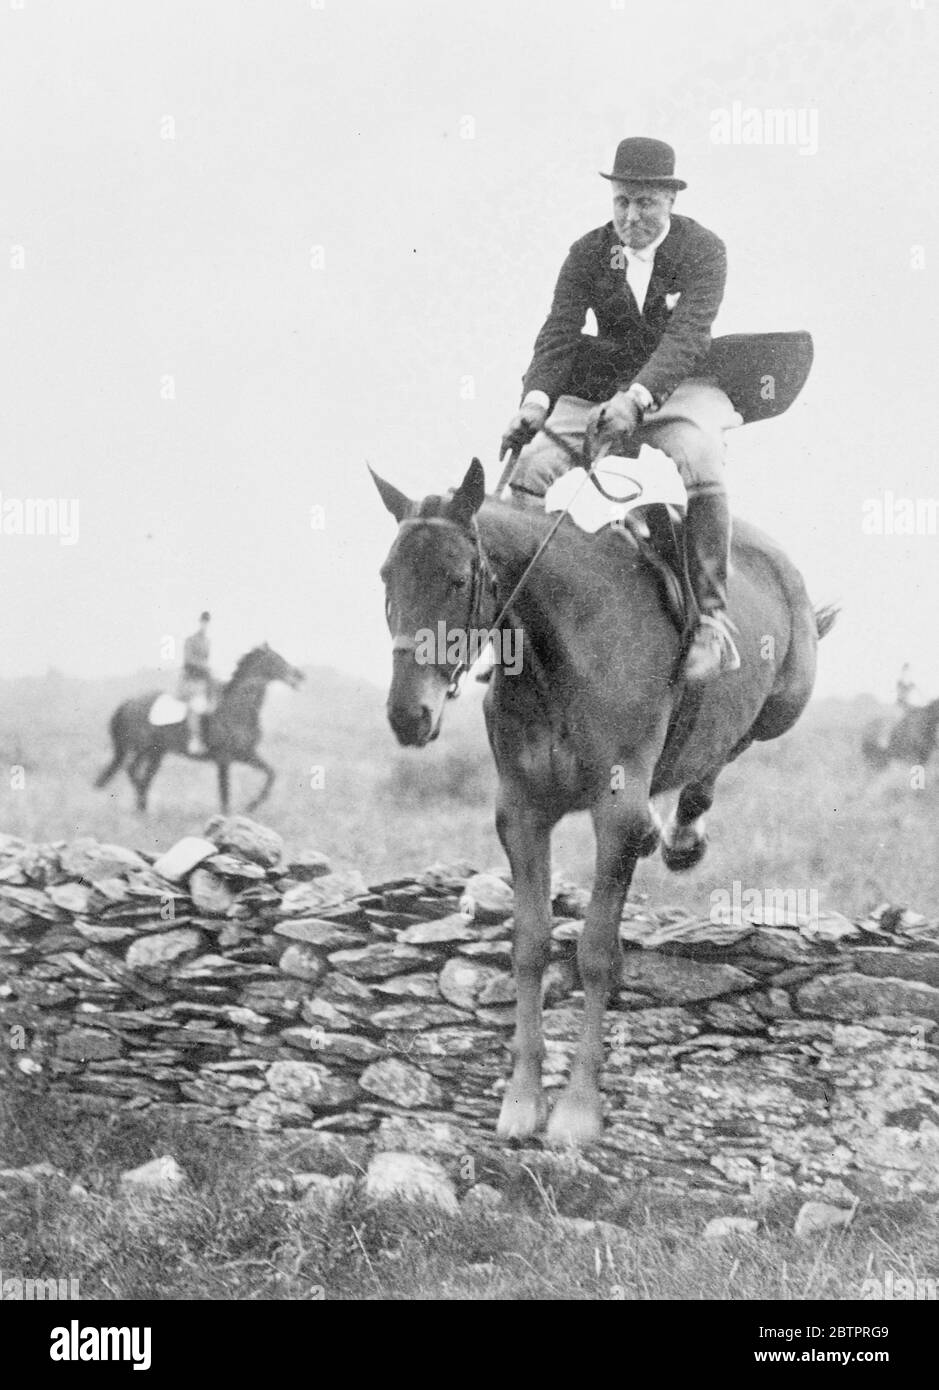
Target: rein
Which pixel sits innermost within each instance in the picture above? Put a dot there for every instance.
(482, 568)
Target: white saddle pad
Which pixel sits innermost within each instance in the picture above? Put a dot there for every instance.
(166, 709)
(616, 486)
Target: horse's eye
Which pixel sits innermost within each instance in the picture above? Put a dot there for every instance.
(458, 583)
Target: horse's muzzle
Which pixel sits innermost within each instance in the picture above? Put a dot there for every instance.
(412, 728)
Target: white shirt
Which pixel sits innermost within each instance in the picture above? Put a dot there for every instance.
(639, 267)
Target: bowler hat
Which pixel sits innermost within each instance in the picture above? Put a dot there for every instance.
(641, 160)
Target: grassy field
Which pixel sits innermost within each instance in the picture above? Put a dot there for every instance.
(226, 1235)
(801, 813)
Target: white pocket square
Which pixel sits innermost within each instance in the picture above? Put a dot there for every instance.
(671, 300)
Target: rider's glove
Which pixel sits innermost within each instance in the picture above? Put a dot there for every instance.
(523, 426)
(617, 418)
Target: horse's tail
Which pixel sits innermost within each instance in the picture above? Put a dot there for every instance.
(825, 618)
(105, 776)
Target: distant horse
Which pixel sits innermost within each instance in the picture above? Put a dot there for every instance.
(597, 719)
(912, 737)
(231, 732)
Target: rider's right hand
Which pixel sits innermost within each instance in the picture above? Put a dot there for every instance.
(523, 427)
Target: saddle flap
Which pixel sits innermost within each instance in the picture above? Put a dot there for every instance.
(614, 487)
(166, 709)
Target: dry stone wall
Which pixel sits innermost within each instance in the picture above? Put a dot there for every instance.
(243, 988)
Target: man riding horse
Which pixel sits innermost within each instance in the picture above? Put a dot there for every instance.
(195, 684)
(654, 280)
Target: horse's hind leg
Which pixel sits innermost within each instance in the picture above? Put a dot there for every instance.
(684, 838)
(526, 839)
(624, 831)
(142, 783)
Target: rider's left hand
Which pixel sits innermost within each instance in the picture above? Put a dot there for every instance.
(617, 418)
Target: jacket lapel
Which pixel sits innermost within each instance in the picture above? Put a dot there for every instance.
(663, 271)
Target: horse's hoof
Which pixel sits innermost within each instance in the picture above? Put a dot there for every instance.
(520, 1119)
(574, 1122)
(683, 846)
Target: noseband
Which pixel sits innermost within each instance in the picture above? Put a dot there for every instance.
(481, 577)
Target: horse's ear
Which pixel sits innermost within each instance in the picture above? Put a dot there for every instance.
(397, 503)
(469, 496)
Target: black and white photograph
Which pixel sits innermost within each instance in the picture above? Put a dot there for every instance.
(469, 676)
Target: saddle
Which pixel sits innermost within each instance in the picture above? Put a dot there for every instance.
(656, 533)
(637, 497)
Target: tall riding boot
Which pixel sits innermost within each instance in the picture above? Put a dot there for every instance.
(196, 747)
(707, 554)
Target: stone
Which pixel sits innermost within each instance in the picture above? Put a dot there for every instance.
(308, 899)
(720, 1227)
(87, 1044)
(657, 1025)
(850, 997)
(677, 980)
(461, 982)
(410, 1178)
(302, 962)
(487, 898)
(420, 985)
(70, 897)
(817, 1218)
(86, 859)
(162, 948)
(481, 1200)
(321, 1194)
(377, 962)
(310, 1083)
(161, 1177)
(889, 961)
(455, 927)
(269, 1111)
(209, 893)
(328, 936)
(309, 863)
(322, 1014)
(244, 836)
(183, 857)
(401, 1083)
(417, 1016)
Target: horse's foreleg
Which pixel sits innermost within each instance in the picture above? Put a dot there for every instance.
(527, 841)
(142, 783)
(223, 786)
(625, 830)
(684, 839)
(269, 774)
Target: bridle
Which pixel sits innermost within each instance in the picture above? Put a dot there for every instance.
(481, 579)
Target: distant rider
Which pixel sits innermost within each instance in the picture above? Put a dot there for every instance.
(195, 684)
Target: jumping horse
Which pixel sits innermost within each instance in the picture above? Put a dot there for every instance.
(231, 732)
(597, 719)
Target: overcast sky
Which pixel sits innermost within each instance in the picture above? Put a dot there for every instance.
(254, 242)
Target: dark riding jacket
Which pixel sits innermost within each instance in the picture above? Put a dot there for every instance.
(657, 348)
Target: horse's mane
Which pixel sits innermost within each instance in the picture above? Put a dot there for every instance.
(242, 663)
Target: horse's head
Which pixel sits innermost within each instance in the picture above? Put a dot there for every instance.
(264, 664)
(433, 582)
